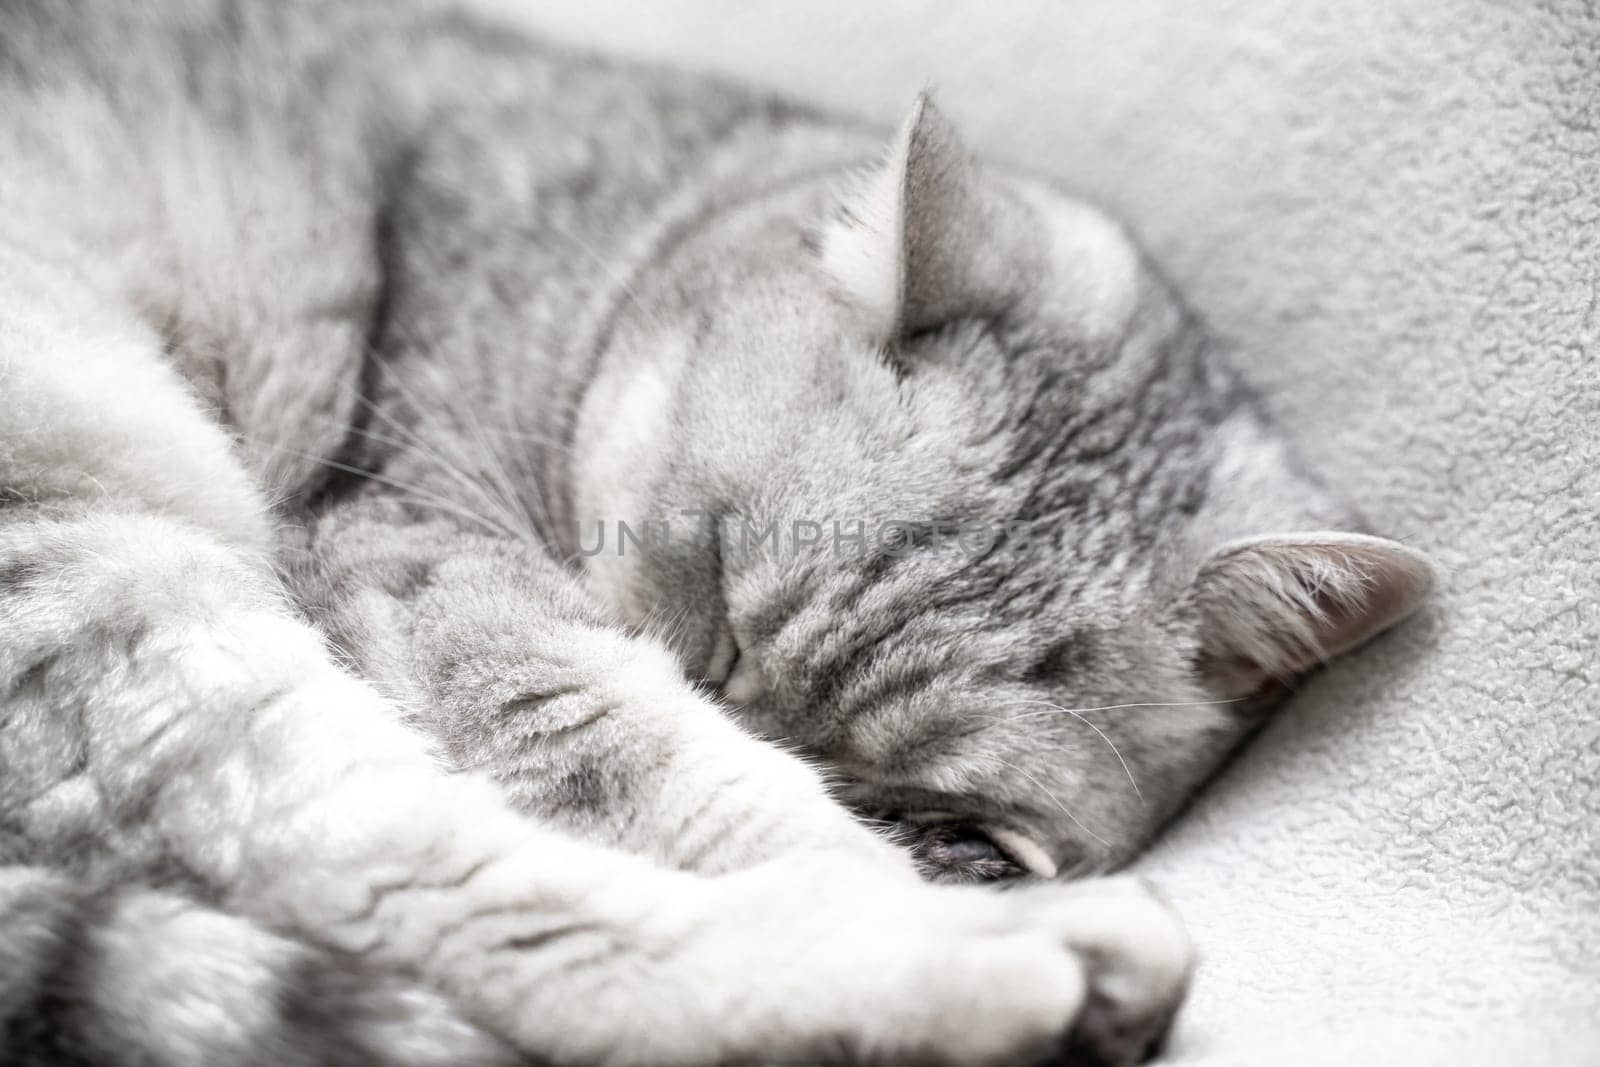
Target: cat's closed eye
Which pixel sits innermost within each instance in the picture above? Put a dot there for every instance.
(959, 852)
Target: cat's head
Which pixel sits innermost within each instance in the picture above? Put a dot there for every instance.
(963, 502)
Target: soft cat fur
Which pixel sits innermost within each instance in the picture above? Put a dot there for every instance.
(403, 768)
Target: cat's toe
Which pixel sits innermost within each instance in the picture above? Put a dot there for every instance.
(1138, 960)
(1052, 975)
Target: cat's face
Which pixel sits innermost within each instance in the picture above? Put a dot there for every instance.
(963, 503)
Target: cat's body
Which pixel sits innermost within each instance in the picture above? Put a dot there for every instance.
(456, 305)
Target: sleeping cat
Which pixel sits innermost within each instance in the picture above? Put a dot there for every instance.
(508, 555)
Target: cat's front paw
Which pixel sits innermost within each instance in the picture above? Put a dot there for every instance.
(875, 970)
(1133, 961)
(1090, 973)
(1138, 960)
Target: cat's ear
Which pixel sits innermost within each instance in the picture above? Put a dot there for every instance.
(906, 243)
(1269, 608)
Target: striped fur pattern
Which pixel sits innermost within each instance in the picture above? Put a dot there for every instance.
(142, 975)
(331, 337)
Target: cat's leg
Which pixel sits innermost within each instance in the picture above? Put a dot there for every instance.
(161, 699)
(518, 671)
(585, 724)
(126, 974)
(213, 723)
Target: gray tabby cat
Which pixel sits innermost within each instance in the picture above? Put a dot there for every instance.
(340, 721)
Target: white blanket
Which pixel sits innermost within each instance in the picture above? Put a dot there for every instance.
(1394, 207)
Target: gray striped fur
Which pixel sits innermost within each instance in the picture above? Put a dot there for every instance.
(326, 331)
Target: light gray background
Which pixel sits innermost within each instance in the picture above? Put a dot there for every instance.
(1395, 208)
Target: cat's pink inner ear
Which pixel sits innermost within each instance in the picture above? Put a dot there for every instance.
(1270, 608)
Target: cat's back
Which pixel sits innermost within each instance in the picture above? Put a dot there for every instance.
(218, 168)
(183, 105)
(251, 178)
(211, 48)
(338, 91)
(200, 167)
(151, 63)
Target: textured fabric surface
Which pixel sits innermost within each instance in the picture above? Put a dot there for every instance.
(1394, 209)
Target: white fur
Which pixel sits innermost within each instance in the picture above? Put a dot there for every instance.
(179, 982)
(87, 418)
(863, 249)
(620, 447)
(1140, 936)
(1093, 279)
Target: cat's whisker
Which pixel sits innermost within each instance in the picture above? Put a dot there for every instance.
(415, 494)
(491, 517)
(1101, 733)
(1056, 709)
(1081, 714)
(516, 517)
(498, 497)
(623, 285)
(542, 439)
(414, 439)
(373, 435)
(500, 477)
(463, 477)
(1045, 790)
(416, 446)
(421, 498)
